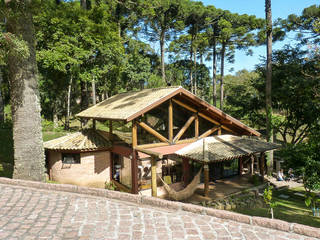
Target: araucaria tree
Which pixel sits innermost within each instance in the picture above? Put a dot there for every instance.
(268, 82)
(25, 104)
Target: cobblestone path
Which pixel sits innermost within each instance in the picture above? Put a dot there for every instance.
(27, 213)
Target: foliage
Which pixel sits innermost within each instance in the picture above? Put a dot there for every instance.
(267, 196)
(111, 186)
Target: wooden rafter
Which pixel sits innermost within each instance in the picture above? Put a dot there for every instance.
(152, 131)
(201, 115)
(209, 132)
(184, 128)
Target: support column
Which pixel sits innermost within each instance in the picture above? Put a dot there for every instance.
(170, 123)
(251, 165)
(154, 176)
(196, 126)
(219, 131)
(240, 165)
(186, 171)
(134, 172)
(261, 164)
(134, 134)
(206, 180)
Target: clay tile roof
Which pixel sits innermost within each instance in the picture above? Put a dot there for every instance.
(86, 140)
(224, 147)
(125, 105)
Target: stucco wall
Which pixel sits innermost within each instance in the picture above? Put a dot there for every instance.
(93, 170)
(125, 176)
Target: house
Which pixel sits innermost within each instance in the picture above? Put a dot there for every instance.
(163, 127)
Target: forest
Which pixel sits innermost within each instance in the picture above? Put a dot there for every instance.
(87, 51)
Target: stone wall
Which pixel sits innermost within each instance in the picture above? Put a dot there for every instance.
(93, 170)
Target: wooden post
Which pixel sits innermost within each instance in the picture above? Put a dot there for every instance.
(196, 126)
(206, 180)
(134, 172)
(240, 165)
(186, 171)
(111, 166)
(261, 164)
(110, 126)
(93, 124)
(154, 176)
(134, 134)
(251, 165)
(219, 131)
(170, 123)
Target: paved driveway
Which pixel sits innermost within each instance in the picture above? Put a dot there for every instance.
(27, 213)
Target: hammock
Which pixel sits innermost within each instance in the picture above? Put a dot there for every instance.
(184, 193)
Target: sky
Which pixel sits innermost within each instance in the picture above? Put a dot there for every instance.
(280, 9)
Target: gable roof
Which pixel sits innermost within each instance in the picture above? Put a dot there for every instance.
(130, 105)
(85, 140)
(224, 147)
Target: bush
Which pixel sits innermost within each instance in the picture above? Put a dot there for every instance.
(7, 124)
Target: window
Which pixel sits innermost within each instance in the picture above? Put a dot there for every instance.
(71, 158)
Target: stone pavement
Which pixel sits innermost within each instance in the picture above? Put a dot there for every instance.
(27, 213)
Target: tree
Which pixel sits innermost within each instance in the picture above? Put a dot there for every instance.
(195, 21)
(269, 83)
(162, 18)
(267, 196)
(213, 34)
(25, 105)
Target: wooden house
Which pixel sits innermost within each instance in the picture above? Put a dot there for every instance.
(165, 126)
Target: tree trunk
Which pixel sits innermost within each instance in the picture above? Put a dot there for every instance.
(191, 70)
(27, 136)
(1, 101)
(214, 71)
(84, 100)
(163, 70)
(268, 83)
(195, 69)
(223, 50)
(94, 99)
(67, 126)
(83, 4)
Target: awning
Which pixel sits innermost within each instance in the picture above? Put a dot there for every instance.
(224, 147)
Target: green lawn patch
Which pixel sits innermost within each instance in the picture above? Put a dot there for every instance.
(292, 209)
(6, 149)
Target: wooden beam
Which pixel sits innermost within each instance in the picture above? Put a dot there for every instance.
(134, 134)
(206, 180)
(152, 131)
(219, 131)
(154, 176)
(149, 152)
(196, 126)
(134, 172)
(189, 140)
(184, 128)
(209, 132)
(202, 115)
(170, 123)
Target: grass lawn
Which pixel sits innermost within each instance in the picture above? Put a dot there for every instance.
(6, 149)
(292, 209)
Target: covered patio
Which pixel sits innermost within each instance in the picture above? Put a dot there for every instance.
(210, 151)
